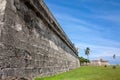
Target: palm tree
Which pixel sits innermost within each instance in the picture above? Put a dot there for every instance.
(114, 56)
(87, 52)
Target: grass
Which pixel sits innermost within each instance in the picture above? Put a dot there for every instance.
(87, 73)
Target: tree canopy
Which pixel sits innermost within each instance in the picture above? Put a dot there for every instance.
(87, 52)
(83, 60)
(114, 56)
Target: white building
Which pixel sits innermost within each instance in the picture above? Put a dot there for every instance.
(99, 62)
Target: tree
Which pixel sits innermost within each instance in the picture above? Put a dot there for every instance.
(114, 56)
(87, 52)
(83, 60)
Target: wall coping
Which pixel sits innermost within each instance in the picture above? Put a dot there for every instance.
(41, 8)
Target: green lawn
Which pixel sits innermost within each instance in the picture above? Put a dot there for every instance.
(88, 73)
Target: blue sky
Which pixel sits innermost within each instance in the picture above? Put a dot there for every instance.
(90, 23)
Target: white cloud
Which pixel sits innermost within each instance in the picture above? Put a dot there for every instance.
(99, 51)
(68, 18)
(84, 30)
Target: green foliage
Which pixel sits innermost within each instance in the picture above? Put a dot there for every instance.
(87, 73)
(83, 60)
(114, 67)
(114, 56)
(87, 52)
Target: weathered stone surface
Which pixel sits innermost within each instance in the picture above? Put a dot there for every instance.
(31, 41)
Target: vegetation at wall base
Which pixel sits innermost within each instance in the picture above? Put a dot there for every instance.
(87, 73)
(83, 60)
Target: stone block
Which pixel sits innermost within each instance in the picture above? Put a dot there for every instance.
(32, 43)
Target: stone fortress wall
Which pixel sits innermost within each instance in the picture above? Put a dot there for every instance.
(32, 43)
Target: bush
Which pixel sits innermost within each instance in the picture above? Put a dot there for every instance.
(105, 65)
(114, 67)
